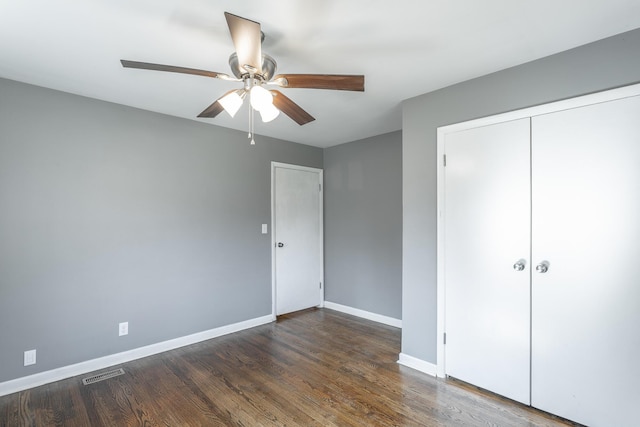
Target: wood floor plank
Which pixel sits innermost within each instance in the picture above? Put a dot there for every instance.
(312, 368)
(251, 388)
(9, 412)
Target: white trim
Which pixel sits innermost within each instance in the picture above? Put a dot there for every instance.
(364, 314)
(321, 231)
(538, 110)
(69, 371)
(295, 167)
(567, 104)
(273, 239)
(320, 173)
(417, 364)
(440, 261)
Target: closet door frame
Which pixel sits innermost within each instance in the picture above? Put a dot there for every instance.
(580, 101)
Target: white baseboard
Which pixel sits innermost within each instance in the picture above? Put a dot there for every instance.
(364, 314)
(418, 364)
(65, 372)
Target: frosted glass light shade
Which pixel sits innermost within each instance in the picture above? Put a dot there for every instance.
(260, 98)
(269, 113)
(231, 103)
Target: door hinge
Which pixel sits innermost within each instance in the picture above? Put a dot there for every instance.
(319, 187)
(444, 160)
(444, 340)
(320, 285)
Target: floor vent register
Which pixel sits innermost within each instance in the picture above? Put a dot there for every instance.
(103, 376)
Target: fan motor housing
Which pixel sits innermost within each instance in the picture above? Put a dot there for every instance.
(269, 67)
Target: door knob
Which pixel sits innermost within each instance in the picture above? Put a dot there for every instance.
(543, 267)
(519, 266)
(280, 244)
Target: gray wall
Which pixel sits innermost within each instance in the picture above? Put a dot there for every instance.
(363, 224)
(594, 67)
(112, 214)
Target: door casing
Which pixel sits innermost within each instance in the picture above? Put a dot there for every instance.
(275, 165)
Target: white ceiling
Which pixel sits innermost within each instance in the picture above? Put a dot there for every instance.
(403, 47)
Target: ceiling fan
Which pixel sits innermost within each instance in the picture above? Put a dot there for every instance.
(256, 70)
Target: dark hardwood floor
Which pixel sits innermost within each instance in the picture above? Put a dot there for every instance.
(313, 368)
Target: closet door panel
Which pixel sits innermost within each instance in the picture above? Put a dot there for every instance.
(487, 209)
(586, 224)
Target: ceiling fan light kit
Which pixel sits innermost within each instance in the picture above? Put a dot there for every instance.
(269, 113)
(255, 69)
(233, 101)
(260, 98)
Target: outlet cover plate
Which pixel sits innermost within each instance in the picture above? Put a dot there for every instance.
(123, 329)
(29, 357)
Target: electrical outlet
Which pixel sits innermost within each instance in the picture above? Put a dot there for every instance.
(123, 328)
(29, 357)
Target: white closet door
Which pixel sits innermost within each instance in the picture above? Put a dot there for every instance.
(487, 216)
(586, 224)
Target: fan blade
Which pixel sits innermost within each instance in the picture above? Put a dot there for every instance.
(173, 69)
(290, 108)
(214, 109)
(247, 40)
(321, 81)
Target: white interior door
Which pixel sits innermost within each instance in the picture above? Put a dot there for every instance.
(487, 231)
(297, 235)
(586, 225)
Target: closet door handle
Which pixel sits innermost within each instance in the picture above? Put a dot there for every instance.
(519, 266)
(543, 267)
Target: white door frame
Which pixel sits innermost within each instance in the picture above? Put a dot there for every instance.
(275, 165)
(580, 101)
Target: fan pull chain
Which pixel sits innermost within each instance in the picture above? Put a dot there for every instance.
(251, 120)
